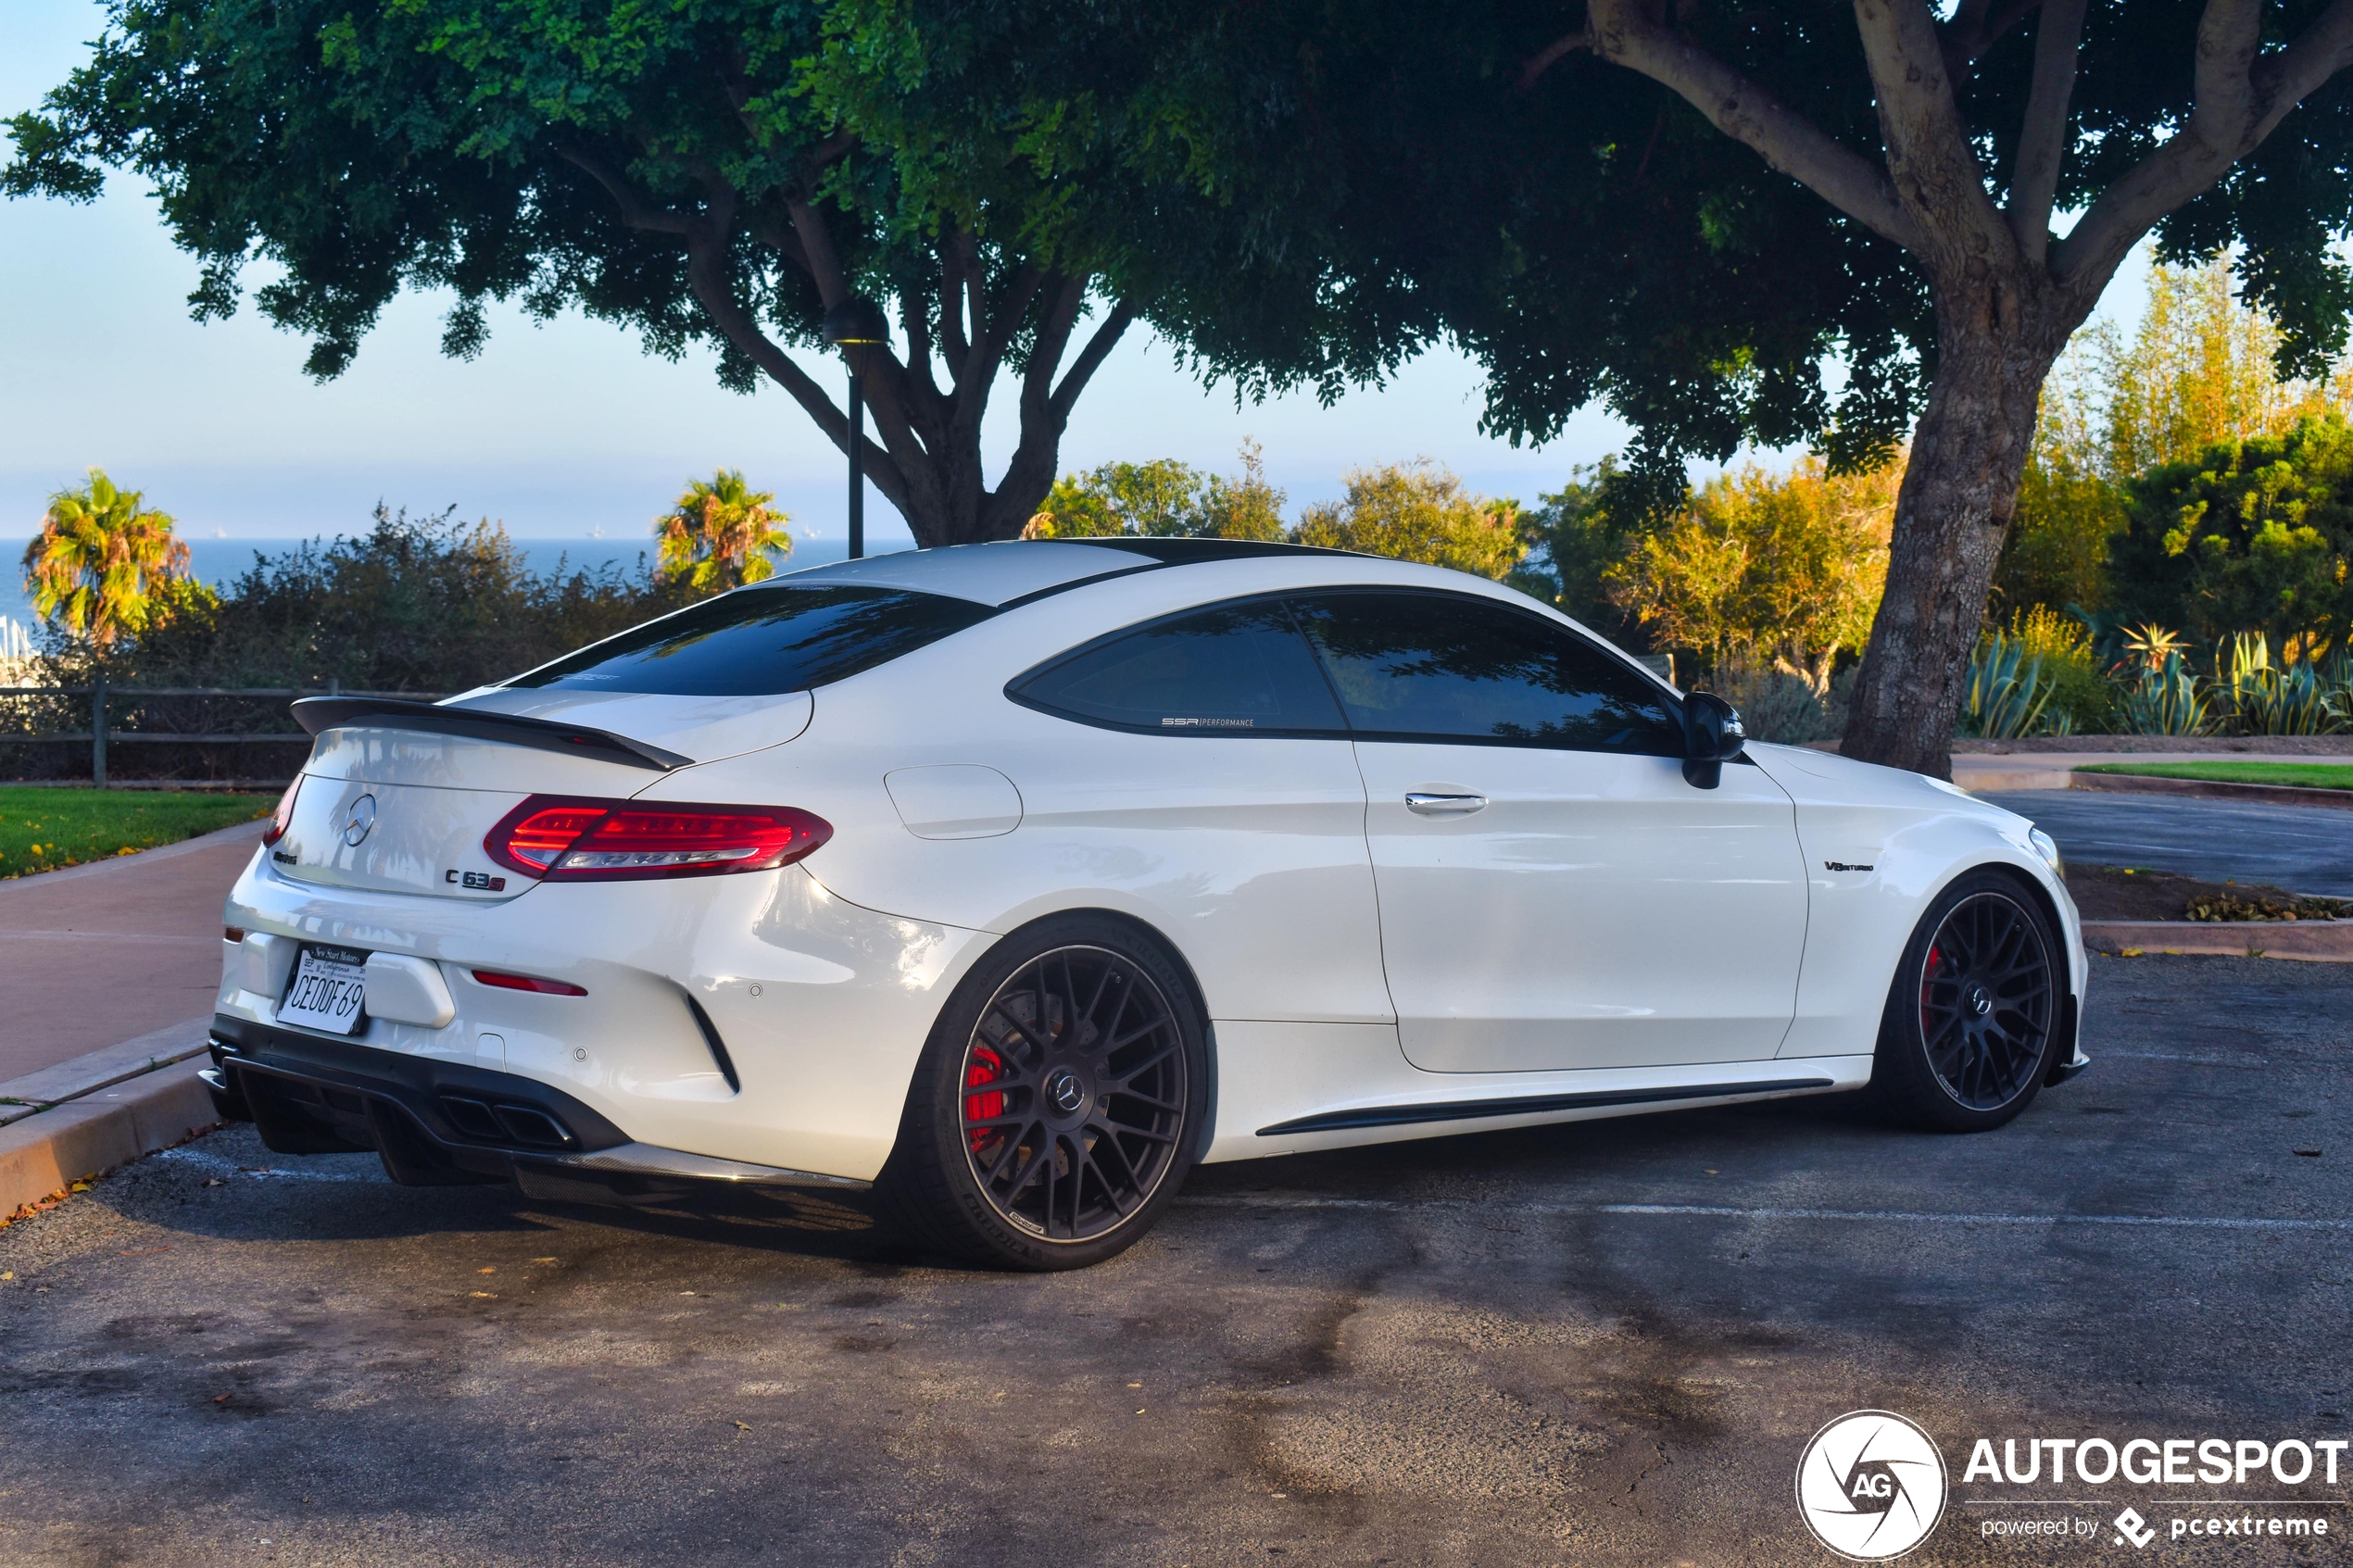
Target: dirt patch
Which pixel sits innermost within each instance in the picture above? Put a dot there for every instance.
(2129, 893)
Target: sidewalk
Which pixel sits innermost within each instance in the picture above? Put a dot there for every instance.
(99, 954)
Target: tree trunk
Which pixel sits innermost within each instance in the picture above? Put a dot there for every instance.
(1952, 513)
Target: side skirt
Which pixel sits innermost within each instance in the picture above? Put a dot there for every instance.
(1529, 1105)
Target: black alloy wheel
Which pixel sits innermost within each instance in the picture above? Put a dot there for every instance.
(1985, 1001)
(1073, 1093)
(1970, 1029)
(1056, 1110)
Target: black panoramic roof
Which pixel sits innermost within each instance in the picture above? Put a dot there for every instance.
(1177, 551)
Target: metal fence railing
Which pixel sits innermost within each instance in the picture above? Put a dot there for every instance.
(129, 716)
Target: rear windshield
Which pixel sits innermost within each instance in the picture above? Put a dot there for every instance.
(756, 642)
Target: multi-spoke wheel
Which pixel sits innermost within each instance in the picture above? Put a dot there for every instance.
(1058, 1101)
(1969, 1033)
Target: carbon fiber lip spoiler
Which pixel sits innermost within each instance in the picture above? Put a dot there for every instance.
(317, 713)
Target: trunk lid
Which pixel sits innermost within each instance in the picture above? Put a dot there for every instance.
(398, 810)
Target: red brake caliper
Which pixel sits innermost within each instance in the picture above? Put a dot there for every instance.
(986, 1067)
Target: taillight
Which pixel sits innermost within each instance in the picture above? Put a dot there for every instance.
(282, 818)
(558, 838)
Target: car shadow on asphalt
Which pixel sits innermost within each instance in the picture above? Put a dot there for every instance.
(230, 1187)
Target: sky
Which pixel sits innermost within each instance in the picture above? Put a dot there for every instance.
(562, 431)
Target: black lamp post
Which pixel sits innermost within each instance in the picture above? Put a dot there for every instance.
(856, 322)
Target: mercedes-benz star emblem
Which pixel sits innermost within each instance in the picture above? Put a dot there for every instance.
(359, 821)
(1065, 1089)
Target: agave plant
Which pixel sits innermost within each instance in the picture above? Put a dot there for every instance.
(2005, 691)
(2150, 645)
(2168, 701)
(2275, 699)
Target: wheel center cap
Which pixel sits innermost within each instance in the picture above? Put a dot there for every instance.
(1064, 1091)
(1981, 1001)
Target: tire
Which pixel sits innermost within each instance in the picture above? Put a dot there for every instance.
(1054, 1146)
(1972, 1017)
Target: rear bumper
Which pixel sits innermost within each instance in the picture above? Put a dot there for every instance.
(440, 1123)
(755, 1020)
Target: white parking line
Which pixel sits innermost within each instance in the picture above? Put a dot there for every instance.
(1723, 1211)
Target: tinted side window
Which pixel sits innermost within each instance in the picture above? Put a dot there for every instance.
(1439, 666)
(758, 641)
(1235, 669)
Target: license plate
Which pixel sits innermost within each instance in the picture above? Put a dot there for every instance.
(329, 989)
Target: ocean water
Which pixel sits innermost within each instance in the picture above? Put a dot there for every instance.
(220, 561)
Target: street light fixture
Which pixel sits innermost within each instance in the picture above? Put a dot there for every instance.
(856, 322)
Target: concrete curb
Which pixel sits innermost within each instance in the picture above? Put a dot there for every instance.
(2317, 941)
(42, 1156)
(2202, 789)
(52, 1086)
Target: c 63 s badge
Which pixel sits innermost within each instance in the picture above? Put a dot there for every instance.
(482, 882)
(1872, 1486)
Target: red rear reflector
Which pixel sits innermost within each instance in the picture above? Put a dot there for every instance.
(563, 839)
(232, 934)
(282, 818)
(528, 983)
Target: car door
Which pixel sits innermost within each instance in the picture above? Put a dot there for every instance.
(1553, 893)
(1219, 791)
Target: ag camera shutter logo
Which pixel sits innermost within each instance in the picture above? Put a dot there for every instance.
(1872, 1486)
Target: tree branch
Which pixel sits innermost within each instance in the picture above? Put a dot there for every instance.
(1090, 360)
(2042, 135)
(637, 209)
(1976, 27)
(953, 263)
(1930, 161)
(817, 245)
(1045, 348)
(1621, 32)
(2241, 98)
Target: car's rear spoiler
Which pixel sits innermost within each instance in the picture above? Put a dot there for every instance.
(317, 713)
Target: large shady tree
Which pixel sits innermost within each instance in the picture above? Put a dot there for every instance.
(1684, 209)
(1957, 139)
(679, 169)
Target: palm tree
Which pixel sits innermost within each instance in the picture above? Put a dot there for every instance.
(99, 557)
(722, 535)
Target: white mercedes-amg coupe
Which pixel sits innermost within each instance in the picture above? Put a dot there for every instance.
(1013, 880)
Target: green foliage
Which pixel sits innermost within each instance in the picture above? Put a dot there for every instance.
(2305, 775)
(427, 604)
(2167, 699)
(1575, 536)
(102, 561)
(2250, 536)
(44, 829)
(1163, 497)
(2082, 698)
(1788, 567)
(721, 534)
(1420, 513)
(2258, 697)
(2006, 697)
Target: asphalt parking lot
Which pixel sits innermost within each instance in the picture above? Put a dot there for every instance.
(1604, 1342)
(2303, 848)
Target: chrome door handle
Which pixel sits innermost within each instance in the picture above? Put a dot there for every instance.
(1445, 805)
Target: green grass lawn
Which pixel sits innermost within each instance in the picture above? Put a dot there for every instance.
(44, 829)
(2304, 775)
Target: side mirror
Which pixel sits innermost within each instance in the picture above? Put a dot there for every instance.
(1712, 736)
